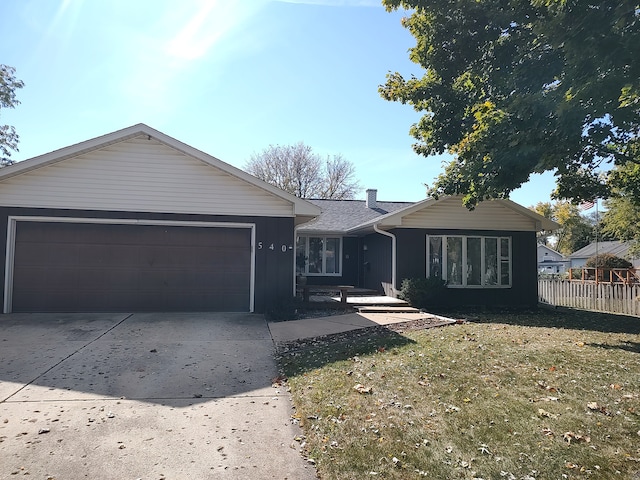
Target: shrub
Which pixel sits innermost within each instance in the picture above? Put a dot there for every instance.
(423, 292)
(283, 310)
(607, 260)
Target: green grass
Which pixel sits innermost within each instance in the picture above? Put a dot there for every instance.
(542, 395)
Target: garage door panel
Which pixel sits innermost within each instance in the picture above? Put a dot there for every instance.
(34, 254)
(100, 267)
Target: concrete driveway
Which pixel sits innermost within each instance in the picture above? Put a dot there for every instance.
(143, 396)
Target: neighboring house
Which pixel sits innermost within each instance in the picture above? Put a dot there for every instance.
(138, 221)
(619, 249)
(550, 261)
(487, 255)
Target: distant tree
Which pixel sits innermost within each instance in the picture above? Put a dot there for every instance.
(8, 136)
(546, 210)
(515, 87)
(576, 230)
(301, 172)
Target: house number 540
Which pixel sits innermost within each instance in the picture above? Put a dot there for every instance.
(283, 248)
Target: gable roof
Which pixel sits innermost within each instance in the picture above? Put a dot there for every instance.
(299, 207)
(340, 216)
(546, 247)
(619, 249)
(353, 217)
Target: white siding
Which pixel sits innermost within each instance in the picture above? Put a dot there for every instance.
(140, 175)
(450, 213)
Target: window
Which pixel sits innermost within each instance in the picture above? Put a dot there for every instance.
(319, 256)
(466, 261)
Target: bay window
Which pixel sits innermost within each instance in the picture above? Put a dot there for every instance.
(319, 256)
(470, 261)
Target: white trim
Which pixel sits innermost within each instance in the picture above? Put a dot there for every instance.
(444, 266)
(11, 239)
(306, 272)
(8, 269)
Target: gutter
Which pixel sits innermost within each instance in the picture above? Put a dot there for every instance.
(393, 254)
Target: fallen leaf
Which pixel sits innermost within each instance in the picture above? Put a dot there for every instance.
(362, 389)
(593, 406)
(569, 436)
(544, 413)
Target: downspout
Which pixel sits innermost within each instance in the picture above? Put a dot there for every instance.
(393, 255)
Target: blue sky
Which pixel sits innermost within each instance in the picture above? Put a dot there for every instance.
(227, 77)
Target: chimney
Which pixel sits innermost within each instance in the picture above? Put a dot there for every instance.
(371, 198)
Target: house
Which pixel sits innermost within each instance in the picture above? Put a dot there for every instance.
(487, 256)
(138, 221)
(550, 261)
(619, 249)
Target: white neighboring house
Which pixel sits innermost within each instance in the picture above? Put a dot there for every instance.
(550, 261)
(619, 249)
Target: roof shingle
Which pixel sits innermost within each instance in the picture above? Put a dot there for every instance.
(342, 215)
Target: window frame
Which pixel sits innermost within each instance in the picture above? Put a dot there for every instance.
(323, 239)
(500, 260)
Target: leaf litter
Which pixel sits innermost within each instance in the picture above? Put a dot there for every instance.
(464, 398)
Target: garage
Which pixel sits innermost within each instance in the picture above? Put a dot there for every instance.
(79, 267)
(137, 221)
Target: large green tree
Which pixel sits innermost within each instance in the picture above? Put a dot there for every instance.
(8, 136)
(622, 218)
(515, 87)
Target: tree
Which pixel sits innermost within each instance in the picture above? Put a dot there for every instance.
(298, 170)
(622, 218)
(607, 260)
(519, 87)
(576, 231)
(8, 136)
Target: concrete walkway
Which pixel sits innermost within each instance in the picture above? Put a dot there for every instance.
(143, 396)
(315, 327)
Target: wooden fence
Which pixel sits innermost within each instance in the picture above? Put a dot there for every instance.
(600, 297)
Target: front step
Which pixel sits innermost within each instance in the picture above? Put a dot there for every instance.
(363, 292)
(387, 309)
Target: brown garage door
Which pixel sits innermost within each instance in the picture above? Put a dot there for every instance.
(83, 267)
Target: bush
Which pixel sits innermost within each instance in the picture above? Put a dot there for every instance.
(607, 260)
(283, 310)
(423, 292)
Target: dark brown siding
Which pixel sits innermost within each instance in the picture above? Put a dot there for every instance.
(273, 267)
(411, 263)
(376, 265)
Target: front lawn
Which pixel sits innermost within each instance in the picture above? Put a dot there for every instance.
(541, 395)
